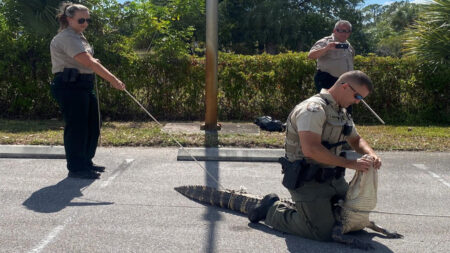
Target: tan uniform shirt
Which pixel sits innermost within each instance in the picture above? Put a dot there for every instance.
(335, 62)
(65, 46)
(319, 114)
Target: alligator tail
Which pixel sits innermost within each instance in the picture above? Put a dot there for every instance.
(234, 200)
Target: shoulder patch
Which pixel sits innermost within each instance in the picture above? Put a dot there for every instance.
(313, 107)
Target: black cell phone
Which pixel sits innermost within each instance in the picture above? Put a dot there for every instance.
(342, 45)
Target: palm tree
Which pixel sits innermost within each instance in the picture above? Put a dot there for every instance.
(37, 16)
(429, 38)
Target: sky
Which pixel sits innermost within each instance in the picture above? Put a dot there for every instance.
(382, 2)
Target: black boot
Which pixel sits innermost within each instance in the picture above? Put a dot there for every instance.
(84, 174)
(97, 168)
(261, 209)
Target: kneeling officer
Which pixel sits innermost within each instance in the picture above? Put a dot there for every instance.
(313, 168)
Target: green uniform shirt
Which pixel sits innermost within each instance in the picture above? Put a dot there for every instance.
(319, 114)
(65, 46)
(313, 116)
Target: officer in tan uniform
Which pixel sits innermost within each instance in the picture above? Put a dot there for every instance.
(334, 55)
(313, 167)
(72, 87)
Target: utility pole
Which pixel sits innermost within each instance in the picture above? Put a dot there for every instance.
(211, 66)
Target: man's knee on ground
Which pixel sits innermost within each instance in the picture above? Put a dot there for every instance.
(323, 233)
(319, 217)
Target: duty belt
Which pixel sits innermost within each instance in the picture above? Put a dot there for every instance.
(73, 75)
(298, 172)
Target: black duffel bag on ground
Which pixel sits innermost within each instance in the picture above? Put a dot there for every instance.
(268, 124)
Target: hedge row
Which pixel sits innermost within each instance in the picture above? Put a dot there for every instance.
(406, 91)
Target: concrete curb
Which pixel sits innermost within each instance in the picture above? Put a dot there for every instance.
(230, 154)
(238, 154)
(201, 154)
(32, 151)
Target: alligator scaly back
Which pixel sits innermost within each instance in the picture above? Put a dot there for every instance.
(239, 201)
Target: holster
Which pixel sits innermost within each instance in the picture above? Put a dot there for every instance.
(296, 173)
(70, 75)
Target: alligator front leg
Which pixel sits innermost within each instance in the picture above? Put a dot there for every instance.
(384, 231)
(338, 236)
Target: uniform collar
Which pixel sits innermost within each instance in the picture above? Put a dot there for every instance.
(71, 30)
(329, 98)
(334, 39)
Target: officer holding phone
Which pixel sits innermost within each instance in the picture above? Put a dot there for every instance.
(72, 87)
(334, 55)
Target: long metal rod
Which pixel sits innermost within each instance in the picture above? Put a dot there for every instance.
(99, 115)
(394, 213)
(373, 112)
(181, 146)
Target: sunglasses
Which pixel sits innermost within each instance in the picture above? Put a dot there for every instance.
(82, 20)
(357, 95)
(343, 30)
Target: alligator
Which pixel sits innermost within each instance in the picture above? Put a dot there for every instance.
(239, 201)
(351, 213)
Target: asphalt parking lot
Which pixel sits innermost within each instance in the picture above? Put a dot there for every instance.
(133, 207)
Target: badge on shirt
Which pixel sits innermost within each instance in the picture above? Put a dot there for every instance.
(313, 107)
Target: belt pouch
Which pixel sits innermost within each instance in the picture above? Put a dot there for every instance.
(324, 174)
(291, 178)
(70, 75)
(292, 174)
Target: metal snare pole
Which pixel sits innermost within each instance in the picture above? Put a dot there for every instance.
(173, 138)
(370, 109)
(99, 143)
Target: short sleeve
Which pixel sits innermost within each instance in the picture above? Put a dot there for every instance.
(354, 132)
(311, 118)
(319, 44)
(71, 45)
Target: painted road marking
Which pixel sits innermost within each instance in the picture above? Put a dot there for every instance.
(54, 233)
(125, 164)
(51, 236)
(439, 178)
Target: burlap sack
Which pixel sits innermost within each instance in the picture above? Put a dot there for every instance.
(361, 196)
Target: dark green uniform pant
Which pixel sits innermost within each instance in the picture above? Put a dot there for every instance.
(78, 104)
(312, 217)
(324, 80)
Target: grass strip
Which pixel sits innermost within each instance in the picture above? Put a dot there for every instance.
(117, 134)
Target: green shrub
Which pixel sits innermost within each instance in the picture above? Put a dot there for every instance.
(406, 91)
(172, 87)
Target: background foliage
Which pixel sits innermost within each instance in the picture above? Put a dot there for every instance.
(156, 48)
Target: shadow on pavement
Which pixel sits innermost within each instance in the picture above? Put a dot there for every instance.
(54, 198)
(212, 180)
(294, 243)
(298, 244)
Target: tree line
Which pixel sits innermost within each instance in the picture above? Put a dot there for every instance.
(167, 33)
(245, 26)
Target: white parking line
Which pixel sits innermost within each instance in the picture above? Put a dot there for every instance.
(439, 178)
(54, 233)
(51, 236)
(117, 172)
